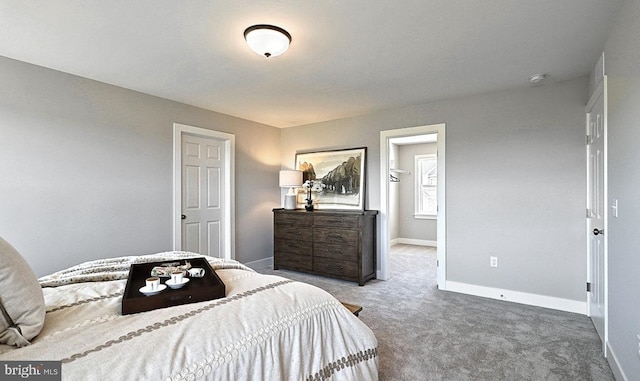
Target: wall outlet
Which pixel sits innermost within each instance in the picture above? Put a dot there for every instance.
(493, 261)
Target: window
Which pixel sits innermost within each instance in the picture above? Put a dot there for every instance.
(426, 205)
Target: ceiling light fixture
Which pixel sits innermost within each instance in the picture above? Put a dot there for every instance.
(267, 40)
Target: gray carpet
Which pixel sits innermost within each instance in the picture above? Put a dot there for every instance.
(427, 334)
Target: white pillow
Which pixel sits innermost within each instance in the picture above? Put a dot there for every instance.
(22, 307)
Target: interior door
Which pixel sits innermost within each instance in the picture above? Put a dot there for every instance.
(203, 196)
(596, 212)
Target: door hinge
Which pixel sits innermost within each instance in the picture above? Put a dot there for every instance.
(437, 263)
(588, 286)
(588, 213)
(588, 139)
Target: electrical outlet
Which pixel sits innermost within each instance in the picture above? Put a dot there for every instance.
(493, 261)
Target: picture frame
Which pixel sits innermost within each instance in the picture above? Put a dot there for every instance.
(342, 174)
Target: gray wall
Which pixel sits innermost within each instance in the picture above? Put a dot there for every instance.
(86, 169)
(409, 226)
(622, 66)
(515, 181)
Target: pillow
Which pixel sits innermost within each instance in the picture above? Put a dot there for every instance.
(22, 307)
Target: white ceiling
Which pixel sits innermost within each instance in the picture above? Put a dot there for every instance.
(347, 58)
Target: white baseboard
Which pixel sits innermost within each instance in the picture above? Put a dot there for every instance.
(618, 373)
(411, 241)
(260, 263)
(519, 297)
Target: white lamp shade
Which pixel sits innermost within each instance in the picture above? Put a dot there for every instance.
(290, 178)
(267, 40)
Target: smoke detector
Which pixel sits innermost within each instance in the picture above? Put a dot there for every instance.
(536, 79)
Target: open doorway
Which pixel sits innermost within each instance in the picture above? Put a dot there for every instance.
(393, 173)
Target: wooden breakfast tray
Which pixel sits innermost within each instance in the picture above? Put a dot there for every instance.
(197, 290)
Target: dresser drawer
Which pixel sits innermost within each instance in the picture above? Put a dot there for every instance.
(299, 247)
(294, 219)
(346, 237)
(293, 232)
(336, 251)
(335, 267)
(336, 221)
(293, 261)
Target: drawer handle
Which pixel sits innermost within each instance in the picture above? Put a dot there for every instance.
(335, 252)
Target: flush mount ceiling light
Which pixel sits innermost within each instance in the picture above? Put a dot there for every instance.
(267, 40)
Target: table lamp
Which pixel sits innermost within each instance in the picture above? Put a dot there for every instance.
(290, 179)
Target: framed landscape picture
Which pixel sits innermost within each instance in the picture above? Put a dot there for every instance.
(338, 176)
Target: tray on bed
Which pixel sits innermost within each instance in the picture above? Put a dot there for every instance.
(197, 290)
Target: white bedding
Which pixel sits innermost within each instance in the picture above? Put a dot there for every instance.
(266, 328)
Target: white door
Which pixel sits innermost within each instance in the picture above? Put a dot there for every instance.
(203, 196)
(596, 212)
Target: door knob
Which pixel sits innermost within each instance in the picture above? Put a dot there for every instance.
(183, 217)
(597, 231)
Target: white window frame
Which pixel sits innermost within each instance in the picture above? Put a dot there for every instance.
(418, 207)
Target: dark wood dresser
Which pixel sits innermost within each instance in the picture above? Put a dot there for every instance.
(337, 244)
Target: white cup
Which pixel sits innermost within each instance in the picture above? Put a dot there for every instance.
(176, 277)
(196, 272)
(153, 283)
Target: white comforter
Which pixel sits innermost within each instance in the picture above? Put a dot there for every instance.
(267, 328)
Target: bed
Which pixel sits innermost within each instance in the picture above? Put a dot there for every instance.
(266, 328)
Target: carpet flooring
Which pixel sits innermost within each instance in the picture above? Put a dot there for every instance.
(427, 334)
